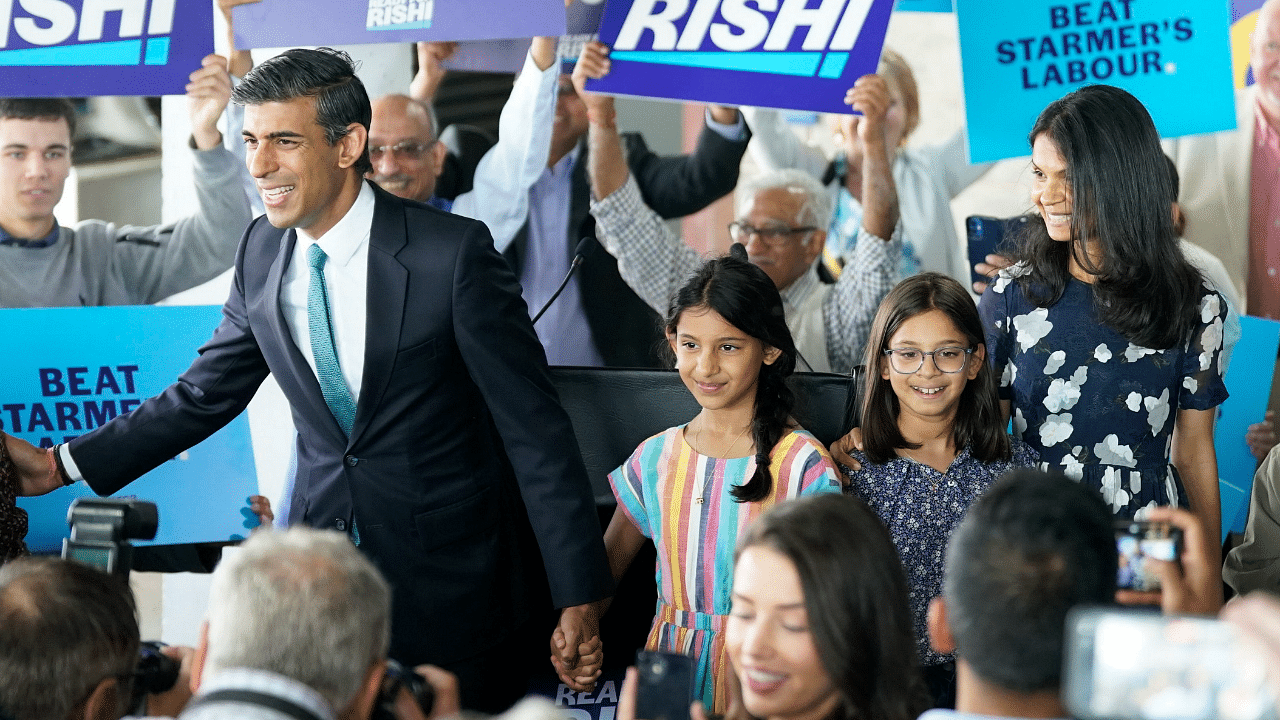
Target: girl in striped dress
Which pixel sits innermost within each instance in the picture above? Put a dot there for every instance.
(694, 489)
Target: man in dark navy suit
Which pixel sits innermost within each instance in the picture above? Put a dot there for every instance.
(428, 427)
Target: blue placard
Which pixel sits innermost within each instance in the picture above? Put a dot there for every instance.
(925, 5)
(728, 52)
(57, 48)
(78, 368)
(289, 23)
(1020, 55)
(1248, 381)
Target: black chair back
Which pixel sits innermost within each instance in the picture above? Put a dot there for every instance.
(613, 410)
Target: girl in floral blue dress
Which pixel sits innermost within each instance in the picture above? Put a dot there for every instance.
(1106, 340)
(932, 438)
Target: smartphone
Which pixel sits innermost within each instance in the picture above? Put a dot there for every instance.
(1136, 542)
(1140, 665)
(986, 236)
(666, 686)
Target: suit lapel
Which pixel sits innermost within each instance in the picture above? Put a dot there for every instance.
(387, 288)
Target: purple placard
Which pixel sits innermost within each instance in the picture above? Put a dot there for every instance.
(275, 23)
(136, 47)
(495, 56)
(582, 24)
(795, 58)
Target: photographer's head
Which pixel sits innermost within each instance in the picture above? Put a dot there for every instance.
(68, 641)
(1028, 551)
(304, 604)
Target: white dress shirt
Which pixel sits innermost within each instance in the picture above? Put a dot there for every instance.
(346, 277)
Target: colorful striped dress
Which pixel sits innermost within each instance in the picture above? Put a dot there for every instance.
(661, 488)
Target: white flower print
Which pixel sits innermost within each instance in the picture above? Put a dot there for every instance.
(1210, 306)
(1133, 352)
(1056, 429)
(1111, 452)
(1157, 411)
(1211, 342)
(1019, 423)
(1054, 362)
(1031, 327)
(1002, 282)
(1079, 377)
(1062, 395)
(1135, 482)
(1191, 384)
(1112, 493)
(1009, 376)
(1102, 353)
(1134, 401)
(1072, 467)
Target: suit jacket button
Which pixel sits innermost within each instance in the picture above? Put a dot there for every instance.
(340, 524)
(351, 460)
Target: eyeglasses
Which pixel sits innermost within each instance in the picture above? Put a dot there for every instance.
(401, 151)
(947, 359)
(741, 232)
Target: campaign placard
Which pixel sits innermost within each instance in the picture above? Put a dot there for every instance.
(1244, 18)
(790, 56)
(275, 23)
(1018, 56)
(58, 48)
(1248, 382)
(80, 367)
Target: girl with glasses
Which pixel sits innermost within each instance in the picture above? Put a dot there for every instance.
(932, 439)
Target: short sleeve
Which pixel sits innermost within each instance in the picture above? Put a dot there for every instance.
(628, 483)
(993, 307)
(1202, 385)
(808, 462)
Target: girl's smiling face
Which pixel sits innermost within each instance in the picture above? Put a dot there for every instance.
(929, 393)
(719, 363)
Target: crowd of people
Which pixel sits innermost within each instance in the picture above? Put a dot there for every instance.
(441, 515)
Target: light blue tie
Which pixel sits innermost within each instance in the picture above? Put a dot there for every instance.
(328, 371)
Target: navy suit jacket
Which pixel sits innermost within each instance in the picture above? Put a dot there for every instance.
(455, 394)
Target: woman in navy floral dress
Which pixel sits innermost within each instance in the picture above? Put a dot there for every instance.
(1106, 340)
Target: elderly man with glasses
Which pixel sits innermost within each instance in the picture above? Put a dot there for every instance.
(408, 157)
(782, 221)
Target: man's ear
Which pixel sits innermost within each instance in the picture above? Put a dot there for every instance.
(817, 241)
(361, 706)
(940, 637)
(351, 146)
(105, 702)
(438, 152)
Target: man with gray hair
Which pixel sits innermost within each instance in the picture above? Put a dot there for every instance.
(782, 220)
(298, 628)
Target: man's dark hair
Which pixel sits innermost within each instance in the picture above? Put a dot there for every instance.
(326, 75)
(1028, 551)
(39, 109)
(64, 628)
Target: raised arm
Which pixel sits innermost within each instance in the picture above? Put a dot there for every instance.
(499, 196)
(651, 260)
(776, 147)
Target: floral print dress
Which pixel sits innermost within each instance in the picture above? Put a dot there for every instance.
(1093, 404)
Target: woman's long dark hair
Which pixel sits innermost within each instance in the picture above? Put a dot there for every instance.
(855, 595)
(747, 299)
(1145, 288)
(979, 423)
